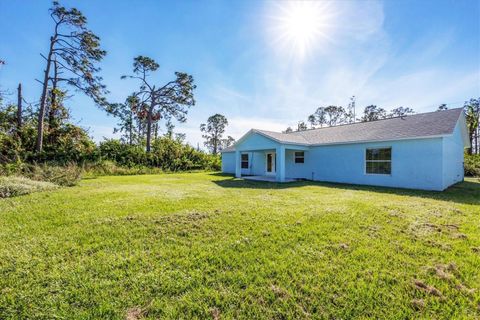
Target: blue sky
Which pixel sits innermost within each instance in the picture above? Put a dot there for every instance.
(246, 61)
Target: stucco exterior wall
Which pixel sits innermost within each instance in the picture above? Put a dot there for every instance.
(453, 158)
(256, 163)
(416, 164)
(228, 162)
(256, 141)
(298, 170)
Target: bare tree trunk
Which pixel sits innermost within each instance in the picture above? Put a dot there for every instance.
(477, 145)
(470, 150)
(149, 124)
(476, 141)
(140, 130)
(51, 110)
(43, 99)
(53, 102)
(215, 142)
(130, 130)
(156, 131)
(19, 108)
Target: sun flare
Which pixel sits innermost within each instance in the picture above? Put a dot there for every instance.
(301, 25)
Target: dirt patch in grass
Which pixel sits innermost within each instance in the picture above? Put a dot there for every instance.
(192, 218)
(215, 313)
(425, 229)
(465, 289)
(440, 272)
(436, 244)
(182, 218)
(395, 213)
(182, 224)
(279, 292)
(420, 285)
(372, 231)
(450, 273)
(444, 271)
(135, 313)
(418, 304)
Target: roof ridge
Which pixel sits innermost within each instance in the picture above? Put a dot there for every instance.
(361, 122)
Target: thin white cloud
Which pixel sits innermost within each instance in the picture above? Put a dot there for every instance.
(423, 90)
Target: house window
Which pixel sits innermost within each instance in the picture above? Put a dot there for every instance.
(378, 161)
(299, 157)
(245, 161)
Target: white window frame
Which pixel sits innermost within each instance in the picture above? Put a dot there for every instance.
(242, 161)
(365, 161)
(300, 157)
(274, 163)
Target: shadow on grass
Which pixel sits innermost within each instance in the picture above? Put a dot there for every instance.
(467, 192)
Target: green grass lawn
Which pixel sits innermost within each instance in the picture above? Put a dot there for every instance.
(204, 245)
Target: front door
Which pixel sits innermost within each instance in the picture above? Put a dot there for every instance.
(270, 170)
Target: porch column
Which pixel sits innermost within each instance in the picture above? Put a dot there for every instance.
(238, 164)
(280, 157)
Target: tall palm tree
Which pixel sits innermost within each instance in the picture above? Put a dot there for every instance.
(472, 115)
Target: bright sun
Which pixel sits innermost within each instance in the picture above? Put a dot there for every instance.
(300, 25)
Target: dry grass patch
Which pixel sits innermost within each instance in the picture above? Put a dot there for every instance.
(12, 186)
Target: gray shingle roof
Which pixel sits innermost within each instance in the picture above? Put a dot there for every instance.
(285, 137)
(228, 149)
(413, 126)
(420, 125)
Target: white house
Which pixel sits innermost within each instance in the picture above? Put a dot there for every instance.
(420, 151)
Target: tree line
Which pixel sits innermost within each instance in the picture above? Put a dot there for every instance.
(336, 115)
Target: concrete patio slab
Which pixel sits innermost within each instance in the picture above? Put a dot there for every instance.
(266, 178)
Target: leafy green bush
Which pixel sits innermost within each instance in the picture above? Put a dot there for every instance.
(15, 186)
(167, 154)
(64, 142)
(111, 157)
(121, 153)
(214, 162)
(12, 168)
(472, 165)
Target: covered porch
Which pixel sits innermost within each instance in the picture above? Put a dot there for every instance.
(267, 164)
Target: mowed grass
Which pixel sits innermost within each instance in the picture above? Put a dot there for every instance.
(199, 245)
